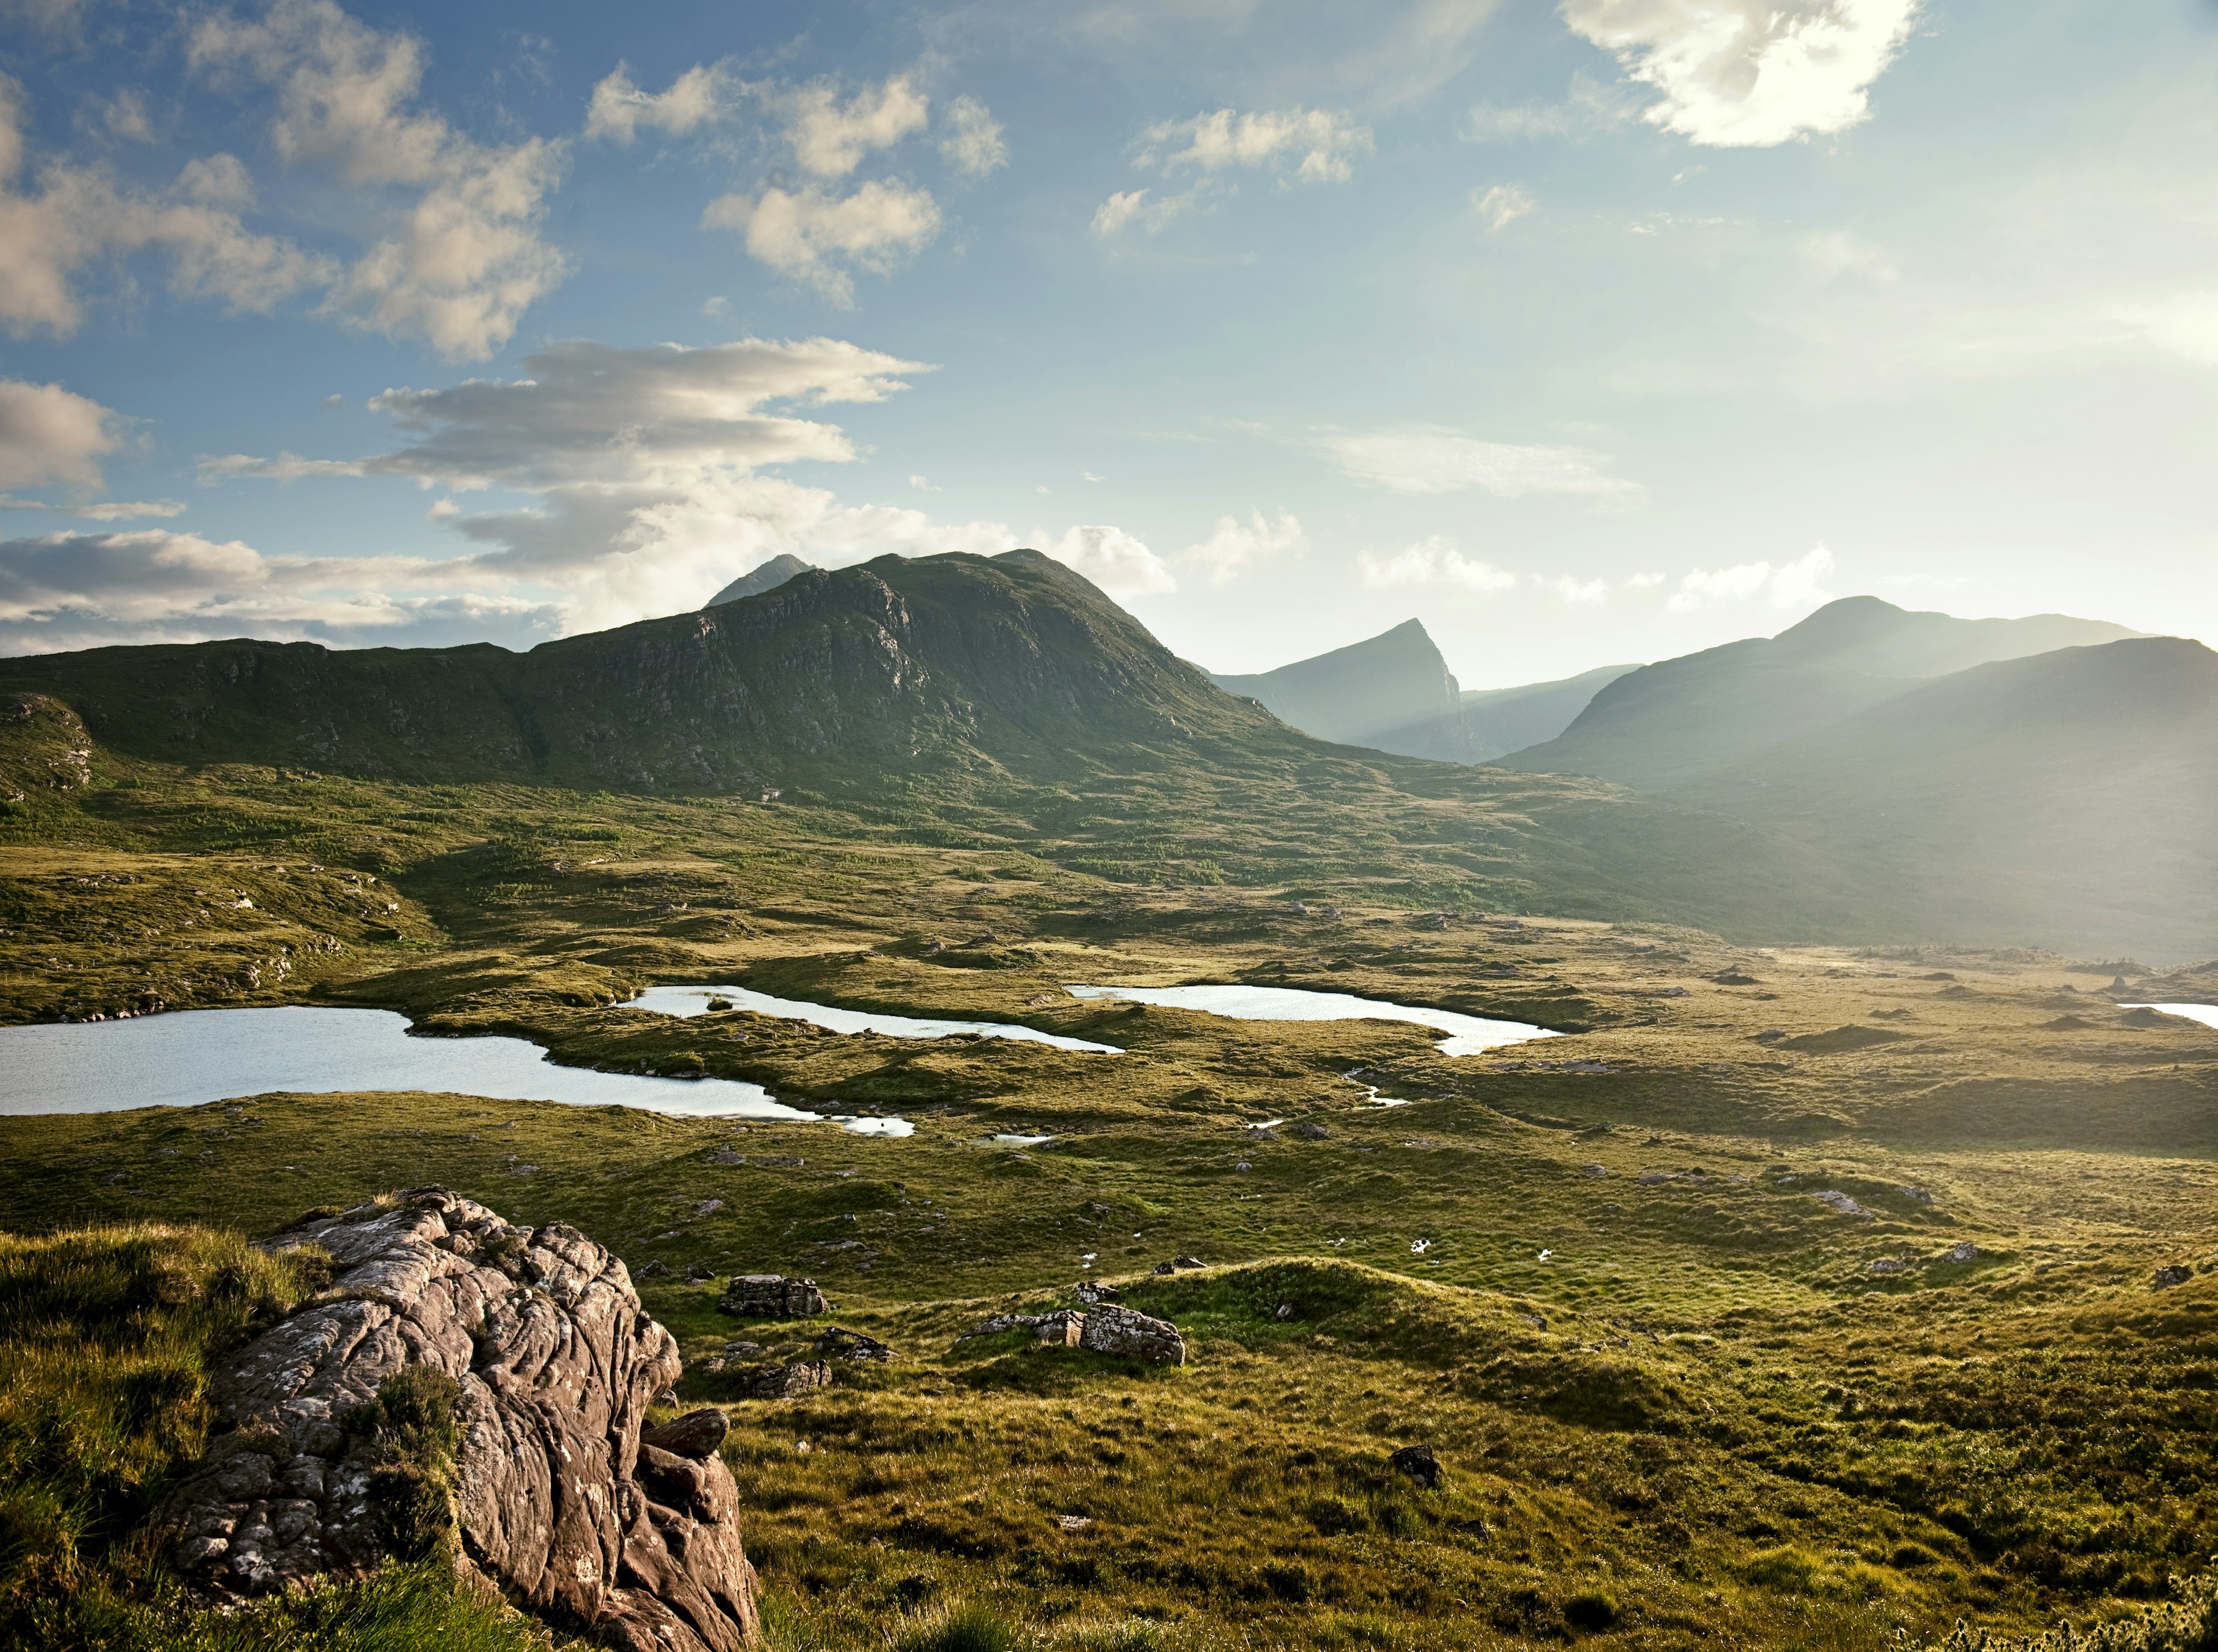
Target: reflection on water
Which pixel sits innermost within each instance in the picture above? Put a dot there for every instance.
(193, 1056)
(695, 1000)
(2206, 1013)
(1467, 1034)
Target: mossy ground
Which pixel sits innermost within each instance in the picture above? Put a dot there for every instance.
(1677, 1401)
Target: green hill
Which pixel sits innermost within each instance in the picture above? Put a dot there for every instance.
(1666, 725)
(1389, 681)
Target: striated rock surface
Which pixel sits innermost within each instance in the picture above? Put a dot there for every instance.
(771, 1296)
(536, 1344)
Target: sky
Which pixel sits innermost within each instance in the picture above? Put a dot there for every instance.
(1589, 333)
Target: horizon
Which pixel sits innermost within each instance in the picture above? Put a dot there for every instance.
(1589, 346)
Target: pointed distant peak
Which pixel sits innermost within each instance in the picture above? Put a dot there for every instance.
(764, 576)
(1408, 627)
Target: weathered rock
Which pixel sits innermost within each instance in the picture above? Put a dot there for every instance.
(1840, 1202)
(1591, 1169)
(2166, 1277)
(786, 1382)
(1962, 1251)
(540, 1340)
(1312, 1132)
(1889, 1264)
(771, 1295)
(1419, 1463)
(1131, 1334)
(697, 1434)
(1090, 1294)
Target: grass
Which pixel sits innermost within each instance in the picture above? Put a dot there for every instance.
(1675, 1402)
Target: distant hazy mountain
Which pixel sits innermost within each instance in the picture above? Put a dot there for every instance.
(1666, 726)
(767, 576)
(1389, 681)
(1489, 722)
(2065, 798)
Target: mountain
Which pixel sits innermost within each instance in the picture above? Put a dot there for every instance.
(896, 667)
(1389, 681)
(1666, 725)
(1487, 723)
(766, 576)
(2068, 798)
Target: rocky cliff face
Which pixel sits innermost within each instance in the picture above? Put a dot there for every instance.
(470, 1386)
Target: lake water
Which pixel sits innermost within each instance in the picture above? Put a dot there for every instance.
(694, 1000)
(1467, 1034)
(193, 1056)
(2206, 1013)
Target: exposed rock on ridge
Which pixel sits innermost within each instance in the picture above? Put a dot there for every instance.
(554, 1498)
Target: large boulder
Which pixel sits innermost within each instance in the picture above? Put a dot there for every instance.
(1131, 1334)
(470, 1385)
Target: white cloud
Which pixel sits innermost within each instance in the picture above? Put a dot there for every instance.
(646, 464)
(1580, 593)
(1234, 547)
(2186, 325)
(1303, 145)
(1113, 560)
(1588, 108)
(1434, 561)
(459, 257)
(1129, 207)
(48, 434)
(922, 484)
(443, 511)
(1791, 584)
(973, 143)
(1502, 205)
(1425, 459)
(830, 138)
(808, 234)
(1751, 73)
(79, 214)
(699, 97)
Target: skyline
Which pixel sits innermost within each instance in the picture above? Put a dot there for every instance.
(1586, 334)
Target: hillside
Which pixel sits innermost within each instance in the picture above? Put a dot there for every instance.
(2068, 798)
(1489, 723)
(1389, 681)
(950, 663)
(1666, 725)
(767, 576)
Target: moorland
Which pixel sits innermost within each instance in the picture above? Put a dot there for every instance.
(1805, 1292)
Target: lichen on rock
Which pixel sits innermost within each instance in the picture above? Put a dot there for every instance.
(467, 1384)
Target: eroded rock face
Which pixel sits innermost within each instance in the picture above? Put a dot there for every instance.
(771, 1296)
(1131, 1334)
(554, 1498)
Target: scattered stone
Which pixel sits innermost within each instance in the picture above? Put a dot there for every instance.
(1890, 1265)
(697, 1434)
(771, 1296)
(1962, 1251)
(1770, 1035)
(555, 1502)
(853, 1347)
(708, 1207)
(1594, 1170)
(1091, 1294)
(1917, 1195)
(1419, 1463)
(726, 1156)
(1840, 1202)
(788, 1382)
(654, 1270)
(1243, 1164)
(699, 1272)
(1182, 1263)
(2179, 1274)
(1128, 1334)
(1310, 1132)
(1073, 1523)
(1286, 1312)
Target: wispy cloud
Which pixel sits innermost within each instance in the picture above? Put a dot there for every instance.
(1234, 547)
(1798, 584)
(1427, 459)
(1433, 561)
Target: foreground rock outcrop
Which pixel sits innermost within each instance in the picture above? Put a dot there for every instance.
(468, 1385)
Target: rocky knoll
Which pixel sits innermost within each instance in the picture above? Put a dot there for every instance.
(470, 1386)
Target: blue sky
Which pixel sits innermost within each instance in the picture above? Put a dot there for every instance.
(1590, 332)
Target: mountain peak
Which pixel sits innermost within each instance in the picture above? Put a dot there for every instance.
(1389, 681)
(764, 576)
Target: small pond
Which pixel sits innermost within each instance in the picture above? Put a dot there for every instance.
(1467, 1034)
(694, 1000)
(2206, 1013)
(193, 1056)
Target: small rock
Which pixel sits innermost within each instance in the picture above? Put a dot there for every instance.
(1840, 1202)
(785, 1382)
(1243, 1164)
(1073, 1523)
(771, 1296)
(1285, 1311)
(1962, 1251)
(1594, 1170)
(1890, 1265)
(699, 1271)
(1090, 1294)
(1127, 1333)
(2179, 1274)
(1770, 1035)
(1419, 1463)
(708, 1207)
(1310, 1132)
(1917, 1195)
(1183, 1262)
(653, 1270)
(697, 1434)
(853, 1348)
